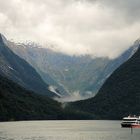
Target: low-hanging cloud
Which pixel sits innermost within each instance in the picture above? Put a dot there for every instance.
(75, 27)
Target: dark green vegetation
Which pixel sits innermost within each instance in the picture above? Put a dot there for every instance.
(70, 74)
(18, 70)
(120, 94)
(16, 103)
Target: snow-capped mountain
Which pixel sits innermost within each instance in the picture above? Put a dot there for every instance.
(18, 70)
(71, 74)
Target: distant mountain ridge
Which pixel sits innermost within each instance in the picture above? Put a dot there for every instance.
(72, 75)
(15, 68)
(115, 63)
(120, 94)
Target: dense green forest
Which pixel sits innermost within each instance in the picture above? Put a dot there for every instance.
(17, 103)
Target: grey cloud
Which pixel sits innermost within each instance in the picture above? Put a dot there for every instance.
(130, 8)
(77, 27)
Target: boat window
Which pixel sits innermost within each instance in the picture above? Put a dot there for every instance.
(129, 122)
(129, 119)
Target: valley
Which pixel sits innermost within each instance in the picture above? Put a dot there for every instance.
(73, 77)
(31, 77)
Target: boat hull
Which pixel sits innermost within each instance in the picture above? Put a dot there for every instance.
(136, 126)
(126, 125)
(130, 125)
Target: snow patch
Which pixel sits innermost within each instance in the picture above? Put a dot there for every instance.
(10, 68)
(66, 70)
(53, 89)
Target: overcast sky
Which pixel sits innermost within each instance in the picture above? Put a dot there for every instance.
(96, 27)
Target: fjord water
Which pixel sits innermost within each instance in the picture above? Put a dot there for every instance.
(66, 130)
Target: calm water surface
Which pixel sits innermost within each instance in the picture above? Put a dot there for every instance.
(66, 130)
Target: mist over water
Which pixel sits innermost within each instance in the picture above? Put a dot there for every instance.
(66, 130)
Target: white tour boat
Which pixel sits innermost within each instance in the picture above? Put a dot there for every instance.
(131, 122)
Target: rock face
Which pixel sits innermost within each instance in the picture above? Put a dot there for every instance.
(15, 68)
(71, 75)
(119, 95)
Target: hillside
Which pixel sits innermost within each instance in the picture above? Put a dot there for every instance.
(18, 70)
(17, 103)
(114, 64)
(120, 94)
(78, 76)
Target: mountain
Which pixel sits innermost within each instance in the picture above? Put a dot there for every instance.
(113, 65)
(36, 56)
(18, 70)
(17, 103)
(119, 95)
(72, 75)
(69, 71)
